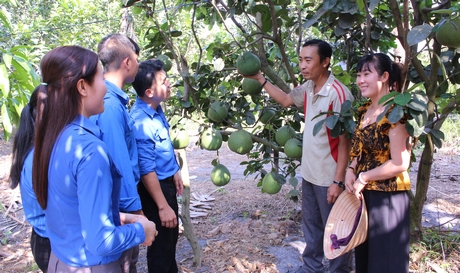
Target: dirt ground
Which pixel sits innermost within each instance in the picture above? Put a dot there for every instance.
(240, 230)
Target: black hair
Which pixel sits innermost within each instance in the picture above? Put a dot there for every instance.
(58, 104)
(146, 75)
(24, 139)
(114, 48)
(382, 63)
(324, 48)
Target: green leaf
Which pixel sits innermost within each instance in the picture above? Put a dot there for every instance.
(293, 181)
(279, 178)
(331, 121)
(373, 4)
(346, 20)
(388, 96)
(5, 17)
(250, 118)
(4, 81)
(185, 103)
(380, 117)
(346, 107)
(417, 104)
(136, 10)
(350, 125)
(443, 11)
(337, 130)
(6, 121)
(420, 117)
(413, 129)
(329, 4)
(396, 114)
(175, 33)
(437, 141)
(7, 59)
(418, 34)
(441, 65)
(415, 86)
(318, 127)
(437, 133)
(402, 98)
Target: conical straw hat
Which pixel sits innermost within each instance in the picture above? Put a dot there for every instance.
(340, 222)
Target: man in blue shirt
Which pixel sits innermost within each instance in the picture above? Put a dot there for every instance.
(158, 165)
(118, 55)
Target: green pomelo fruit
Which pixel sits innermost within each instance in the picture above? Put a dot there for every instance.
(284, 134)
(251, 86)
(266, 115)
(220, 175)
(167, 62)
(248, 63)
(217, 112)
(240, 142)
(293, 148)
(449, 33)
(211, 140)
(270, 185)
(180, 139)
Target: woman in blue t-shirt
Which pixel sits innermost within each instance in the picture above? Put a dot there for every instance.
(21, 174)
(74, 177)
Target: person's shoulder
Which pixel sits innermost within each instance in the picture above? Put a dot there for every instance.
(340, 90)
(135, 111)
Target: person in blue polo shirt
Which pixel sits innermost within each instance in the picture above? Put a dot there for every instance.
(21, 173)
(118, 55)
(161, 181)
(74, 177)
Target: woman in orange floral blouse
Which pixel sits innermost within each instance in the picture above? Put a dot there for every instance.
(380, 157)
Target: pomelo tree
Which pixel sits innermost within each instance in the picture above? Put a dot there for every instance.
(205, 39)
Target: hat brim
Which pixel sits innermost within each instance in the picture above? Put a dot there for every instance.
(340, 222)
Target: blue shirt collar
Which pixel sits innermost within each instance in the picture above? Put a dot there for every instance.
(147, 109)
(115, 90)
(87, 125)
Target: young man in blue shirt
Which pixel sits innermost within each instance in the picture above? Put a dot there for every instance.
(118, 55)
(157, 163)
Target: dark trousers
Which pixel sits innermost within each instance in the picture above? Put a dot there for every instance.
(386, 249)
(315, 211)
(161, 255)
(41, 249)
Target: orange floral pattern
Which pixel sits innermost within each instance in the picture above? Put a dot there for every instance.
(371, 148)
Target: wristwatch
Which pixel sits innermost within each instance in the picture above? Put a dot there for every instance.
(340, 184)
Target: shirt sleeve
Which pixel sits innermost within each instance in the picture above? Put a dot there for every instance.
(298, 95)
(112, 123)
(95, 189)
(147, 155)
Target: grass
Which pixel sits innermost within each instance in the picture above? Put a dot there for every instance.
(438, 251)
(451, 130)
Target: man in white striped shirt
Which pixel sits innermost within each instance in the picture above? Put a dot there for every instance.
(324, 158)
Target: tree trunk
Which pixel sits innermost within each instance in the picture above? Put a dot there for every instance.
(185, 215)
(423, 180)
